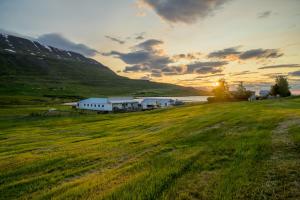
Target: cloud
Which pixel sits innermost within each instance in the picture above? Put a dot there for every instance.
(187, 11)
(134, 68)
(115, 39)
(232, 51)
(209, 76)
(280, 66)
(295, 73)
(264, 14)
(260, 53)
(140, 36)
(57, 40)
(146, 56)
(156, 73)
(205, 67)
(188, 56)
(146, 53)
(132, 57)
(242, 73)
(274, 75)
(149, 57)
(193, 68)
(149, 45)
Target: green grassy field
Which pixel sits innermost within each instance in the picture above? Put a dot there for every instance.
(207, 151)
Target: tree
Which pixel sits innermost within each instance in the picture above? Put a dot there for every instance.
(281, 87)
(241, 89)
(242, 93)
(221, 91)
(274, 90)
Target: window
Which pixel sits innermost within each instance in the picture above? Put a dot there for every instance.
(95, 105)
(84, 105)
(99, 105)
(102, 106)
(88, 105)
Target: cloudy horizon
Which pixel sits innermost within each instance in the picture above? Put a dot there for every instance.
(191, 43)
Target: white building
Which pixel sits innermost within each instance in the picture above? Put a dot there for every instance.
(252, 97)
(108, 104)
(151, 103)
(264, 93)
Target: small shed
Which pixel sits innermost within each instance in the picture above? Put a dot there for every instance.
(152, 103)
(264, 93)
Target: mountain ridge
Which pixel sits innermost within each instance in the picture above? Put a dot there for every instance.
(30, 68)
(12, 43)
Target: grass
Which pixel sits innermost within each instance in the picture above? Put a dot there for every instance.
(207, 151)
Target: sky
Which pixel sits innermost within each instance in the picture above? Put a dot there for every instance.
(191, 42)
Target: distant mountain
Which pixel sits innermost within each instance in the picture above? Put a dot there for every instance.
(31, 68)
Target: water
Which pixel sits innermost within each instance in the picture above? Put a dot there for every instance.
(186, 99)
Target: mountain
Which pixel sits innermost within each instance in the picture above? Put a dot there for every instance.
(33, 69)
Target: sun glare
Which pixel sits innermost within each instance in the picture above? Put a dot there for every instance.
(216, 84)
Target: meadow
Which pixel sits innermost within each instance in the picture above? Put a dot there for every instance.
(237, 150)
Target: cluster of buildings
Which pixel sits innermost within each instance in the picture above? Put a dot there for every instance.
(124, 104)
(262, 94)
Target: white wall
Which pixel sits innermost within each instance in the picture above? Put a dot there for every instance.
(91, 106)
(156, 103)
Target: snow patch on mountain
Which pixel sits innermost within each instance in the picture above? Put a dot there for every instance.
(47, 47)
(33, 42)
(10, 50)
(7, 40)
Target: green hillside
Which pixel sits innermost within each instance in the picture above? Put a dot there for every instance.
(28, 68)
(207, 151)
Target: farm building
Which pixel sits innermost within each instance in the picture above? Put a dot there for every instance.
(264, 93)
(252, 97)
(109, 104)
(151, 103)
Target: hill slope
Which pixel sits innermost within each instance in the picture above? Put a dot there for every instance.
(212, 151)
(30, 68)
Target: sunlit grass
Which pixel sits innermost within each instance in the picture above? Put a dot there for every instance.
(208, 151)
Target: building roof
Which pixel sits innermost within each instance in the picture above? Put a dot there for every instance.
(94, 100)
(123, 101)
(109, 100)
(120, 98)
(157, 99)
